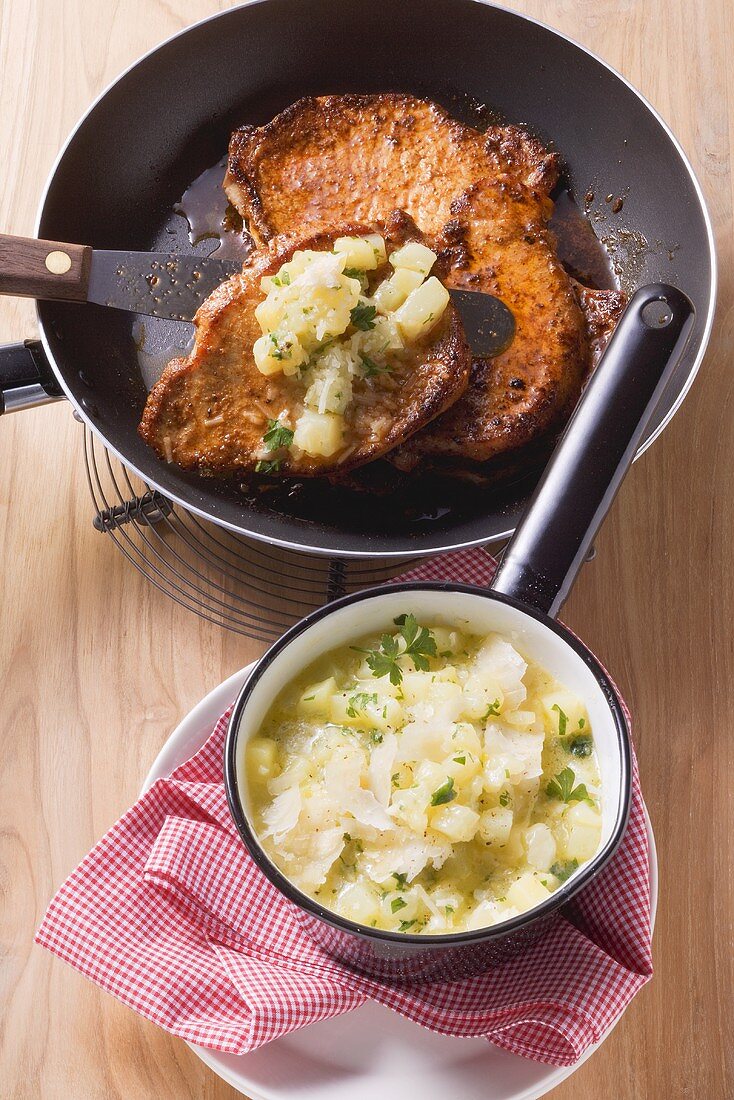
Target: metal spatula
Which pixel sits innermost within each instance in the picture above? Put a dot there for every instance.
(174, 286)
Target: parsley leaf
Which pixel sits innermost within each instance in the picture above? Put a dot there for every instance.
(277, 435)
(400, 878)
(405, 925)
(397, 904)
(353, 273)
(563, 871)
(562, 720)
(363, 316)
(505, 798)
(372, 369)
(376, 737)
(267, 466)
(460, 759)
(492, 709)
(443, 794)
(419, 646)
(358, 703)
(580, 745)
(562, 788)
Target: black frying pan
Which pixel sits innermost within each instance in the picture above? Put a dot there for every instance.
(170, 116)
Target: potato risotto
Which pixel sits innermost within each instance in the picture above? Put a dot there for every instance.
(426, 780)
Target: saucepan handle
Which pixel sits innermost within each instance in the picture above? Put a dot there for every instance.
(26, 379)
(596, 450)
(30, 268)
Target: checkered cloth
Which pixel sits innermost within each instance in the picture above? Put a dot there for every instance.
(169, 913)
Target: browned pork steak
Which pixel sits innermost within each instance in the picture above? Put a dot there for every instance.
(482, 200)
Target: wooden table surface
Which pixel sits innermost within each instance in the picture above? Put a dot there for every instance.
(97, 666)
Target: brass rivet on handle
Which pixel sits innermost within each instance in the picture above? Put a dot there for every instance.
(58, 262)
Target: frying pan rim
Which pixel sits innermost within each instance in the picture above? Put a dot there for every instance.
(323, 551)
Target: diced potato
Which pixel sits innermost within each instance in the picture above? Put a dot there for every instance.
(366, 710)
(457, 823)
(416, 687)
(495, 825)
(447, 641)
(269, 313)
(526, 892)
(316, 698)
(414, 256)
(462, 766)
(358, 902)
(580, 832)
(318, 434)
(400, 905)
(522, 719)
(485, 914)
(540, 847)
(392, 292)
(262, 758)
(571, 706)
(364, 253)
(278, 352)
(422, 309)
(411, 808)
(480, 698)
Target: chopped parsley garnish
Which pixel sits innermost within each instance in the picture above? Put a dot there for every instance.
(505, 798)
(397, 904)
(443, 794)
(359, 702)
(277, 435)
(419, 646)
(562, 788)
(308, 698)
(283, 279)
(492, 709)
(448, 910)
(580, 745)
(376, 737)
(353, 273)
(405, 925)
(395, 778)
(281, 347)
(562, 720)
(563, 871)
(372, 369)
(460, 759)
(363, 316)
(267, 466)
(400, 877)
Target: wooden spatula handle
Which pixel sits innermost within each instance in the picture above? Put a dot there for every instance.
(44, 269)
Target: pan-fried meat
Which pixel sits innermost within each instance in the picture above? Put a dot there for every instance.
(602, 309)
(483, 200)
(497, 241)
(332, 159)
(211, 411)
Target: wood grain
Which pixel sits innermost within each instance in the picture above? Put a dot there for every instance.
(44, 269)
(98, 666)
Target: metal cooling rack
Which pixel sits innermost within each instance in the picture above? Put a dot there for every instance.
(242, 585)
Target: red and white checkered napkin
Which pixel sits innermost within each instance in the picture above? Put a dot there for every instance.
(169, 913)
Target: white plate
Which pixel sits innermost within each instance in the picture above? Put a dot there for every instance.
(372, 1051)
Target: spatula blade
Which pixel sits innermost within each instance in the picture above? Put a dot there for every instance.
(156, 284)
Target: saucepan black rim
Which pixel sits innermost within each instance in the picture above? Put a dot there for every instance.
(452, 939)
(383, 552)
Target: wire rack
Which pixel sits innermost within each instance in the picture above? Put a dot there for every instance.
(240, 584)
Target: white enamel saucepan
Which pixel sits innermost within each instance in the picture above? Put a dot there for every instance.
(533, 580)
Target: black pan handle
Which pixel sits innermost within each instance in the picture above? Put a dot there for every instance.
(594, 453)
(26, 379)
